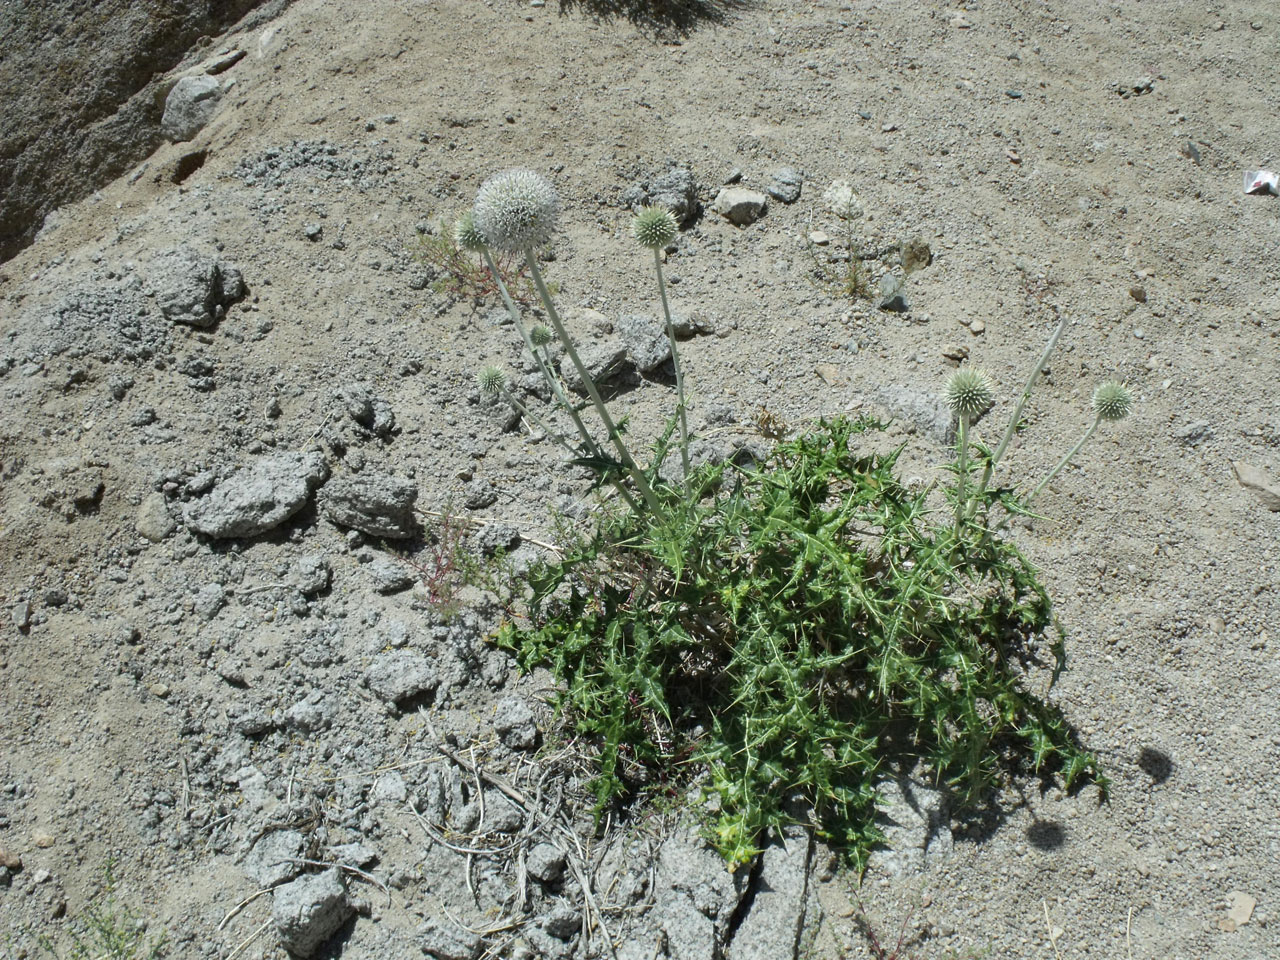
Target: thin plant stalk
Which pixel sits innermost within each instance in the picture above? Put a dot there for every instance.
(1012, 428)
(682, 407)
(962, 466)
(1065, 460)
(624, 454)
(545, 368)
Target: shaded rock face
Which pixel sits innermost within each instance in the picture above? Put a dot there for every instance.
(81, 81)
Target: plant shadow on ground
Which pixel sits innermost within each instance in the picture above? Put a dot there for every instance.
(660, 17)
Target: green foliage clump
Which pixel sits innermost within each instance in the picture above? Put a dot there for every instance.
(109, 930)
(797, 631)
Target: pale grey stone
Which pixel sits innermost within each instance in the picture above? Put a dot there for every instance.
(153, 520)
(309, 910)
(271, 861)
(401, 675)
(374, 503)
(739, 205)
(916, 827)
(189, 106)
(258, 498)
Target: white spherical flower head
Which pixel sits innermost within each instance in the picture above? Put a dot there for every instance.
(515, 210)
(1112, 400)
(654, 227)
(465, 234)
(969, 393)
(491, 380)
(540, 336)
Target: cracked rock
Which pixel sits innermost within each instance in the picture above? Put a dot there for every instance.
(374, 503)
(193, 288)
(270, 862)
(775, 923)
(739, 205)
(401, 675)
(448, 942)
(258, 498)
(516, 725)
(190, 105)
(603, 362)
(309, 910)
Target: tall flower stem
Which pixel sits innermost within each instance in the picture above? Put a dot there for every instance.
(962, 469)
(544, 368)
(1064, 461)
(682, 407)
(1012, 428)
(624, 455)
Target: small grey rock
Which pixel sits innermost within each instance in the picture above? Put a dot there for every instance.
(309, 910)
(562, 922)
(390, 788)
(480, 494)
(739, 205)
(209, 600)
(400, 676)
(313, 712)
(1194, 433)
(189, 106)
(500, 814)
(603, 362)
(193, 288)
(927, 412)
(368, 409)
(311, 574)
(153, 520)
(269, 863)
(646, 340)
(1258, 483)
(389, 576)
(515, 724)
(676, 190)
(893, 297)
(355, 854)
(775, 924)
(495, 537)
(785, 185)
(21, 614)
(545, 862)
(445, 941)
(259, 498)
(374, 503)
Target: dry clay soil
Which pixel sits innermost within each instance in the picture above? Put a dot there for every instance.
(1019, 139)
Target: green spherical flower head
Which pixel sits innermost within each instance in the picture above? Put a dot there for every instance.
(516, 209)
(654, 227)
(465, 234)
(541, 336)
(969, 393)
(492, 380)
(1112, 400)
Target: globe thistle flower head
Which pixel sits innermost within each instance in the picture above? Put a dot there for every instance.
(654, 227)
(1112, 400)
(516, 209)
(465, 234)
(541, 335)
(491, 380)
(969, 393)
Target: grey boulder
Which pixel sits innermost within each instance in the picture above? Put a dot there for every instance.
(193, 288)
(603, 362)
(739, 205)
(646, 340)
(399, 676)
(785, 185)
(374, 503)
(310, 910)
(259, 498)
(189, 106)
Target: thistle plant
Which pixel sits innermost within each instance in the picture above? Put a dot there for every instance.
(969, 394)
(798, 628)
(654, 228)
(516, 211)
(1112, 401)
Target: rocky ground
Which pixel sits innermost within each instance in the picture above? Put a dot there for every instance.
(236, 403)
